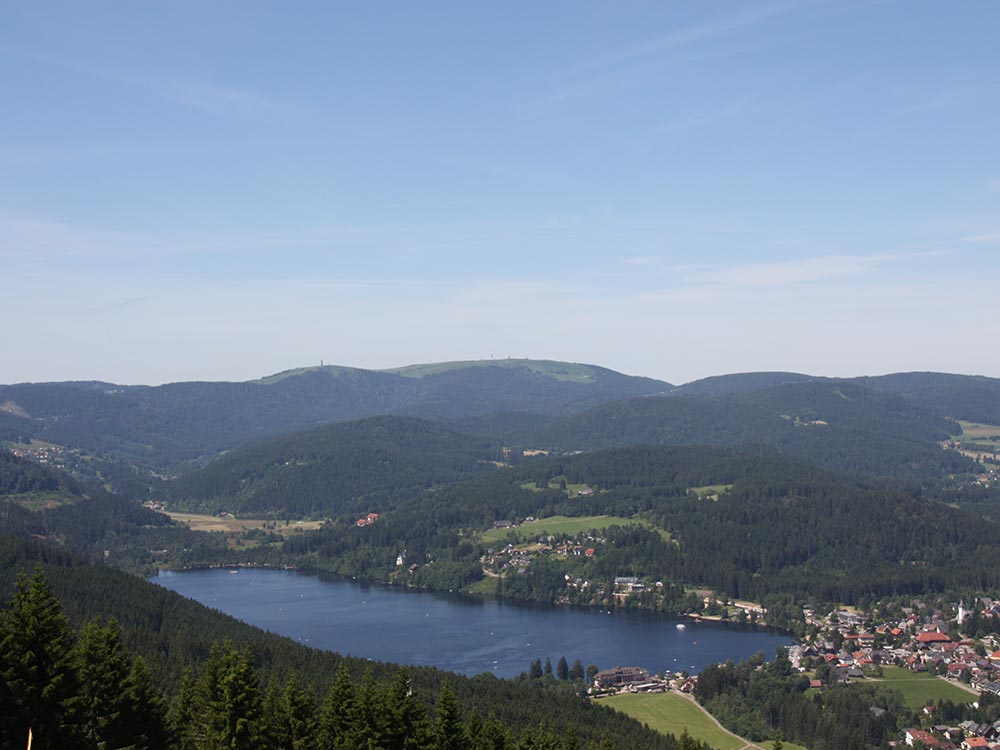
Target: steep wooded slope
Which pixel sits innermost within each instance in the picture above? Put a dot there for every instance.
(831, 424)
(173, 633)
(348, 467)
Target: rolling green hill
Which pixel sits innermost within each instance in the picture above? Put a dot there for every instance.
(570, 372)
(20, 478)
(832, 424)
(349, 467)
(741, 382)
(970, 397)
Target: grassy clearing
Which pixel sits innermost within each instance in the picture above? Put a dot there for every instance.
(199, 522)
(553, 525)
(571, 489)
(565, 371)
(710, 491)
(484, 587)
(33, 444)
(671, 713)
(921, 688)
(980, 438)
(974, 430)
(36, 501)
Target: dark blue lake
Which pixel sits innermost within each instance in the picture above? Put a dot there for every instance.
(459, 634)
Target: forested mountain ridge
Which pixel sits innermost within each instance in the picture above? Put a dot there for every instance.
(740, 382)
(970, 397)
(833, 424)
(346, 467)
(169, 424)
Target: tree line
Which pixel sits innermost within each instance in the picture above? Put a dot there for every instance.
(190, 648)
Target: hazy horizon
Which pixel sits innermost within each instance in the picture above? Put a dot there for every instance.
(227, 190)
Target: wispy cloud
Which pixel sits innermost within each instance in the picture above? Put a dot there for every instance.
(623, 66)
(205, 96)
(689, 35)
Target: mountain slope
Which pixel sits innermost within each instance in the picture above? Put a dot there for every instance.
(837, 425)
(971, 397)
(742, 382)
(178, 422)
(347, 467)
(44, 504)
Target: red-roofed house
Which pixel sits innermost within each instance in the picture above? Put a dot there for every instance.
(975, 743)
(933, 638)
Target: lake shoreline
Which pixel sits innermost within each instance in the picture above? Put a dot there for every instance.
(473, 596)
(456, 631)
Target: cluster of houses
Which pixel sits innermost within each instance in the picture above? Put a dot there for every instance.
(968, 736)
(366, 520)
(990, 478)
(920, 644)
(50, 455)
(519, 556)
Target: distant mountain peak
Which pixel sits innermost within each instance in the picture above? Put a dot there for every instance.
(565, 371)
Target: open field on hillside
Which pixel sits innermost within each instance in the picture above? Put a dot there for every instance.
(672, 713)
(554, 525)
(921, 688)
(199, 522)
(564, 371)
(711, 491)
(38, 501)
(980, 437)
(571, 489)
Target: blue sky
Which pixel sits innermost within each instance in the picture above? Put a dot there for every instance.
(195, 190)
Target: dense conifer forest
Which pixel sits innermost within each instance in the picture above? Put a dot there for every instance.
(81, 643)
(343, 468)
(835, 425)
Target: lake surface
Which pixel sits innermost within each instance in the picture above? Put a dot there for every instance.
(459, 634)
